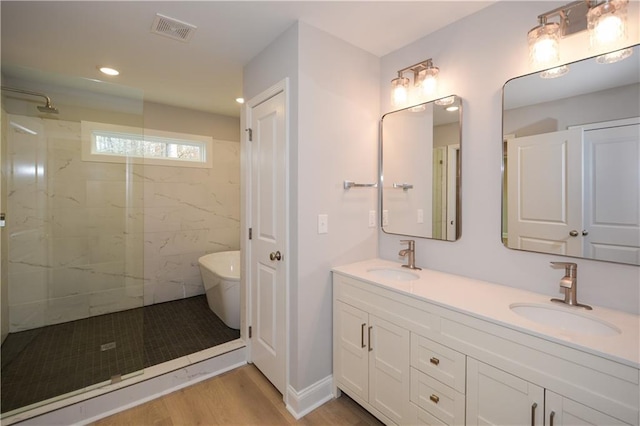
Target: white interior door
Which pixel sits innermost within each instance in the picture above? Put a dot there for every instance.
(267, 248)
(544, 175)
(612, 194)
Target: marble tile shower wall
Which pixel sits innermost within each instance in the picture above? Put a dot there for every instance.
(189, 212)
(89, 238)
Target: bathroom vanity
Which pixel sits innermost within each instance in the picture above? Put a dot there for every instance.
(426, 347)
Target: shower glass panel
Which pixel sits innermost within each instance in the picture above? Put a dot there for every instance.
(72, 246)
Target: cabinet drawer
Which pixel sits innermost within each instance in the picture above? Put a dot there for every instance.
(418, 416)
(436, 398)
(439, 362)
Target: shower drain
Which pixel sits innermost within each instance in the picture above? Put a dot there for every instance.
(108, 346)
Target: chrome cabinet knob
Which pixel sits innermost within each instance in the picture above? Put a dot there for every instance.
(573, 233)
(275, 256)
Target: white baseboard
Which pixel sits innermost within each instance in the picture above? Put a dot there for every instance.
(299, 404)
(106, 404)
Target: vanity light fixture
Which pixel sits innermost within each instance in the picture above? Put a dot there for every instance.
(606, 22)
(425, 80)
(399, 90)
(544, 43)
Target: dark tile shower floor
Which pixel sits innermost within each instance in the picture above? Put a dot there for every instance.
(46, 362)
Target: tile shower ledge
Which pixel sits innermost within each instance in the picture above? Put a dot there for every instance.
(490, 302)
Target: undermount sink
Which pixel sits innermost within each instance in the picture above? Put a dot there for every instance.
(564, 319)
(393, 274)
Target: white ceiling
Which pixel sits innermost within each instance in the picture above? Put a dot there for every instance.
(72, 38)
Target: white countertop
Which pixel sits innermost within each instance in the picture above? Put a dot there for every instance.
(491, 302)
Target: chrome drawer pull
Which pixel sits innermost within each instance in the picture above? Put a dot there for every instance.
(434, 360)
(434, 398)
(369, 336)
(362, 335)
(551, 416)
(533, 413)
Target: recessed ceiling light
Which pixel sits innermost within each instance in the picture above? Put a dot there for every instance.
(240, 100)
(109, 71)
(452, 108)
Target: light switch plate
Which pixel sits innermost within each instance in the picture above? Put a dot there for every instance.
(385, 217)
(420, 216)
(323, 223)
(372, 218)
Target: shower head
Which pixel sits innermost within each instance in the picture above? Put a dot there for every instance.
(47, 108)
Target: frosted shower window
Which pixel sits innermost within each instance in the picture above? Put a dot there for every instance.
(117, 144)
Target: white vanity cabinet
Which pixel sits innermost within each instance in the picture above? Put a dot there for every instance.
(564, 411)
(499, 398)
(371, 360)
(495, 397)
(411, 358)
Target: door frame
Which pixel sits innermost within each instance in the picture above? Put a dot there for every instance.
(246, 219)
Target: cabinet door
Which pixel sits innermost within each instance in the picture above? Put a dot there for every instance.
(351, 354)
(498, 398)
(389, 380)
(563, 411)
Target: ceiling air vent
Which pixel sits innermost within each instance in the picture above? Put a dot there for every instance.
(172, 28)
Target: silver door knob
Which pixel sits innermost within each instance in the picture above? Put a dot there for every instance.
(573, 233)
(585, 232)
(275, 256)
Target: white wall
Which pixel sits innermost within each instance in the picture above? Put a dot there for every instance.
(338, 140)
(333, 137)
(476, 56)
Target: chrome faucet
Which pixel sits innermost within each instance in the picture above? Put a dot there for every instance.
(569, 284)
(411, 252)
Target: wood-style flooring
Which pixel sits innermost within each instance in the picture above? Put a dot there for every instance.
(239, 397)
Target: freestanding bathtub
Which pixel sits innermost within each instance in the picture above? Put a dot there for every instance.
(221, 278)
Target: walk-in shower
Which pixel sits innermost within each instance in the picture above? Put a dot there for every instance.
(71, 249)
(99, 257)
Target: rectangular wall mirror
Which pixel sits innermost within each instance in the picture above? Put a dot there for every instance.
(420, 170)
(571, 161)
